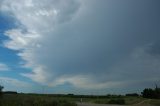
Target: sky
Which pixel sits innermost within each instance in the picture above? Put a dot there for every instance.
(79, 46)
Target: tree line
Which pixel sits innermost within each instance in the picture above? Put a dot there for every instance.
(147, 93)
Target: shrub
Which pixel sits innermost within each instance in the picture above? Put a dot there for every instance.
(132, 94)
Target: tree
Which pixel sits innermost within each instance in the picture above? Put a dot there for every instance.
(148, 93)
(151, 93)
(157, 92)
(1, 88)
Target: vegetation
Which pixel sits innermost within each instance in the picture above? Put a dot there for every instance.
(34, 100)
(133, 94)
(117, 101)
(127, 100)
(151, 93)
(10, 98)
(1, 88)
(154, 102)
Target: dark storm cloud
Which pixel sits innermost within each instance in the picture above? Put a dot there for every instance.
(105, 36)
(154, 49)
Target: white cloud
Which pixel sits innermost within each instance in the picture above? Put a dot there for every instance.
(14, 82)
(38, 75)
(3, 67)
(40, 16)
(21, 40)
(39, 20)
(85, 82)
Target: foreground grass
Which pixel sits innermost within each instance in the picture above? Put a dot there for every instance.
(153, 102)
(124, 100)
(32, 100)
(119, 100)
(52, 100)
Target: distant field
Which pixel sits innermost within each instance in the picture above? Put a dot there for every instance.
(71, 100)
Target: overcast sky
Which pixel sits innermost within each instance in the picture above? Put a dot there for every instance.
(79, 46)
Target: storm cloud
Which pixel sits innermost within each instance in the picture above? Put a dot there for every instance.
(89, 44)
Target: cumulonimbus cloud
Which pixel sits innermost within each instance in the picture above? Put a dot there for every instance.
(81, 44)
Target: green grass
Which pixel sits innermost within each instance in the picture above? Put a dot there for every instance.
(133, 100)
(118, 100)
(155, 102)
(33, 100)
(53, 100)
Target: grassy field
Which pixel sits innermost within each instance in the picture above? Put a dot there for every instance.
(65, 100)
(35, 100)
(134, 101)
(126, 100)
